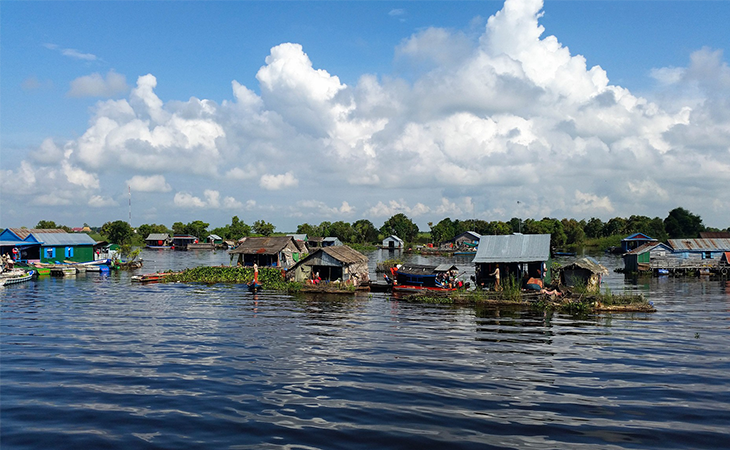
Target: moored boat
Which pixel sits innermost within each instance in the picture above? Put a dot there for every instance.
(15, 276)
(149, 277)
(419, 278)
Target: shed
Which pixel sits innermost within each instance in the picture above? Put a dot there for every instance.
(158, 240)
(585, 272)
(515, 255)
(393, 242)
(276, 251)
(215, 239)
(332, 263)
(331, 241)
(640, 258)
(634, 241)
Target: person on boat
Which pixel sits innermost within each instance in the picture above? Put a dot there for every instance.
(495, 274)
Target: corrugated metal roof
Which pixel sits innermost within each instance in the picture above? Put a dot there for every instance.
(649, 246)
(69, 239)
(700, 245)
(513, 248)
(157, 237)
(23, 233)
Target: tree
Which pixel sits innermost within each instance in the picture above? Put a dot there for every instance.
(263, 228)
(309, 230)
(615, 226)
(342, 231)
(147, 229)
(594, 228)
(573, 231)
(681, 223)
(117, 232)
(401, 226)
(238, 228)
(364, 231)
(443, 231)
(49, 225)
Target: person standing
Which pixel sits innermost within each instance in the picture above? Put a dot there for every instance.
(495, 274)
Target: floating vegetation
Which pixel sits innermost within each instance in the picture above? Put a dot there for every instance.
(269, 277)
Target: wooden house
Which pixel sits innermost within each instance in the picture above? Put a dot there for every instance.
(275, 251)
(515, 255)
(393, 242)
(181, 242)
(586, 272)
(50, 245)
(20, 244)
(336, 262)
(467, 239)
(635, 241)
(700, 250)
(158, 240)
(641, 258)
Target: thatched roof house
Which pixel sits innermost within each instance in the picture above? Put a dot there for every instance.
(277, 251)
(332, 263)
(583, 272)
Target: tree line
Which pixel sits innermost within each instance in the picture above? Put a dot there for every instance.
(679, 223)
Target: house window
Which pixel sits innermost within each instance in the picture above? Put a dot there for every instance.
(69, 252)
(51, 252)
(708, 255)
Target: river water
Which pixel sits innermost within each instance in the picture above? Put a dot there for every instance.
(98, 362)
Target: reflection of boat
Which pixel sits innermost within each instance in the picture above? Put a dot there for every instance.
(416, 278)
(15, 276)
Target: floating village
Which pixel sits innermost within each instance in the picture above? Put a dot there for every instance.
(507, 269)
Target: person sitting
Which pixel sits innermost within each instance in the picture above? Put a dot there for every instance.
(534, 284)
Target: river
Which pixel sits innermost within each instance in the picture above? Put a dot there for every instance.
(92, 362)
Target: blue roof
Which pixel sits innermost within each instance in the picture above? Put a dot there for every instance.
(513, 248)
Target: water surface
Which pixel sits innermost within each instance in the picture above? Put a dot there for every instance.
(99, 362)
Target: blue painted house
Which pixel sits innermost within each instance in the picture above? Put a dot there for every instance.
(47, 245)
(635, 241)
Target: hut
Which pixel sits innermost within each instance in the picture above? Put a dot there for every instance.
(515, 255)
(635, 241)
(332, 263)
(393, 242)
(585, 272)
(158, 240)
(276, 251)
(640, 258)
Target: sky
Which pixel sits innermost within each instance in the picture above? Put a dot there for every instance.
(307, 111)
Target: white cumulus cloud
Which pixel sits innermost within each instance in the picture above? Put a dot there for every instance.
(95, 85)
(153, 183)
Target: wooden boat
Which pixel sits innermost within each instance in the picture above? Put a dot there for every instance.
(15, 276)
(149, 277)
(421, 279)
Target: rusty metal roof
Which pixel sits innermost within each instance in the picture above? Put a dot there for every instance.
(700, 245)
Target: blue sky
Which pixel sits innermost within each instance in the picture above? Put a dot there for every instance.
(362, 110)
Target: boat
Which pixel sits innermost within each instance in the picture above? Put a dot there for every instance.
(15, 276)
(420, 278)
(149, 277)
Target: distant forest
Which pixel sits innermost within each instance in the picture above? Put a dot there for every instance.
(679, 223)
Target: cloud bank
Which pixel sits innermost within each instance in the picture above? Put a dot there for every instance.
(511, 124)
